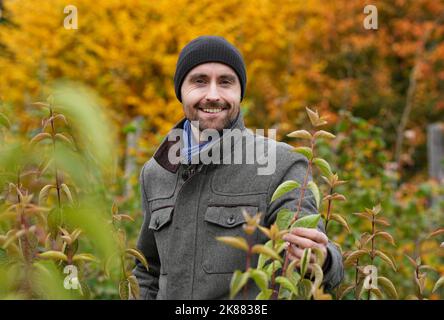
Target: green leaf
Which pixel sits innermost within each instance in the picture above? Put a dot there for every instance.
(238, 280)
(236, 242)
(262, 257)
(308, 221)
(320, 257)
(384, 257)
(285, 283)
(315, 119)
(305, 261)
(261, 278)
(377, 292)
(426, 267)
(315, 190)
(40, 104)
(303, 134)
(44, 192)
(376, 209)
(138, 255)
(341, 220)
(306, 151)
(364, 215)
(65, 189)
(324, 134)
(63, 138)
(323, 166)
(388, 287)
(41, 136)
(84, 257)
(259, 248)
(283, 188)
(55, 219)
(264, 295)
(436, 232)
(318, 274)
(269, 268)
(305, 288)
(351, 258)
(418, 261)
(283, 218)
(54, 255)
(280, 245)
(291, 274)
(387, 236)
(438, 284)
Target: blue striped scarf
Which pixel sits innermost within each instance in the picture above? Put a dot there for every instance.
(191, 146)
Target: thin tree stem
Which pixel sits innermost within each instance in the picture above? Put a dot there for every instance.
(295, 217)
(247, 267)
(372, 255)
(328, 211)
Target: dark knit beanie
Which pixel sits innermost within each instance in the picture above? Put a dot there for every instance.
(209, 49)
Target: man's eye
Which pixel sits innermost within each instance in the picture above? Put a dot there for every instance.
(226, 82)
(200, 81)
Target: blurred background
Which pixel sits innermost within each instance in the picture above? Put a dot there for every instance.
(382, 91)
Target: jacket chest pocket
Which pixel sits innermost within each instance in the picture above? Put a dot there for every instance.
(224, 221)
(160, 224)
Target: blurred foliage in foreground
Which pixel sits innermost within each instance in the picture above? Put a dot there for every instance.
(59, 227)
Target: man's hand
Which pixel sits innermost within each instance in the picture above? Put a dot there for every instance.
(302, 238)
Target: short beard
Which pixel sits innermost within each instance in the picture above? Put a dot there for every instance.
(227, 122)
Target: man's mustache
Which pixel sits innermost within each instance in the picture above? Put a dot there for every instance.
(213, 104)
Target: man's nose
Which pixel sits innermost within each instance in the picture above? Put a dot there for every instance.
(212, 93)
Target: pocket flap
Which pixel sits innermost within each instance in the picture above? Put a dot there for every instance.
(160, 217)
(228, 217)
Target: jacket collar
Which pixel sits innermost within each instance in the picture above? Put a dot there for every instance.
(161, 154)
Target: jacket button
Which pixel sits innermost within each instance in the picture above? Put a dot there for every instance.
(231, 220)
(157, 222)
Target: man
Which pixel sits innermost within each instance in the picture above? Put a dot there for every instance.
(187, 203)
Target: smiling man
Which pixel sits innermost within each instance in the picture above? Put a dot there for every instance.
(187, 204)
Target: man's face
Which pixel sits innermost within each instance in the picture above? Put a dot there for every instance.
(211, 95)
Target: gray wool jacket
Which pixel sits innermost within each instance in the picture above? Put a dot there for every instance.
(186, 206)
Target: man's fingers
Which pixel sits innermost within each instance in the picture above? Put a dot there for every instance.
(297, 253)
(312, 234)
(300, 241)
